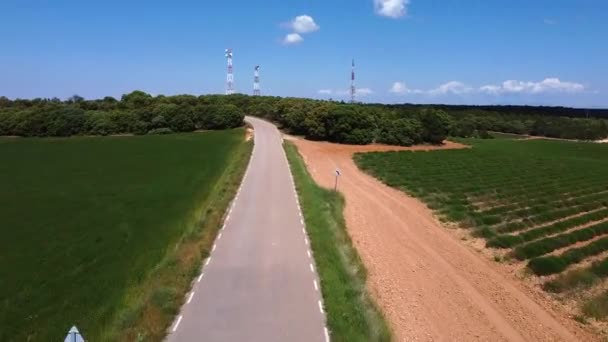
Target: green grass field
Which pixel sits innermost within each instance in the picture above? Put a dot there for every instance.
(351, 313)
(546, 202)
(85, 221)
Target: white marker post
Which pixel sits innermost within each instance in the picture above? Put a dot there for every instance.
(74, 336)
(336, 183)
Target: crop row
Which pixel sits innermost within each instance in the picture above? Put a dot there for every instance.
(548, 217)
(578, 279)
(510, 240)
(556, 205)
(552, 264)
(547, 245)
(543, 198)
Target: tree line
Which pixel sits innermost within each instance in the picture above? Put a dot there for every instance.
(141, 113)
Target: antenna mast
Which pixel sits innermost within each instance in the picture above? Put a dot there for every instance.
(353, 90)
(256, 81)
(229, 75)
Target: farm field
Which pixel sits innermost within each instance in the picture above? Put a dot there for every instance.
(85, 220)
(540, 203)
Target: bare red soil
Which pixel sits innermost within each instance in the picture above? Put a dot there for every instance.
(430, 285)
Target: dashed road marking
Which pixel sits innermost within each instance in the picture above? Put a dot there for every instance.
(316, 285)
(312, 269)
(179, 320)
(219, 236)
(306, 240)
(326, 335)
(208, 261)
(308, 252)
(190, 297)
(213, 249)
(301, 222)
(200, 277)
(320, 306)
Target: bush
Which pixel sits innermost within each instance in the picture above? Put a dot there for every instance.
(66, 121)
(162, 130)
(436, 125)
(181, 123)
(99, 123)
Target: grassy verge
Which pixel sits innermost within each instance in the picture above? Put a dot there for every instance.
(351, 313)
(150, 309)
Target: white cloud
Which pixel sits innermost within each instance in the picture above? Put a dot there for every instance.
(391, 8)
(304, 24)
(401, 88)
(359, 92)
(364, 91)
(547, 85)
(453, 87)
(292, 38)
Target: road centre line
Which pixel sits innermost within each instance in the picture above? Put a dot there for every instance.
(190, 297)
(179, 319)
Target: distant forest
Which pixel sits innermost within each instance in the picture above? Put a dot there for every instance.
(405, 124)
(523, 110)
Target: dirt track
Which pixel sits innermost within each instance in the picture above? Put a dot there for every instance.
(429, 284)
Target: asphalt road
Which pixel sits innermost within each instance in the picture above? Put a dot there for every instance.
(260, 283)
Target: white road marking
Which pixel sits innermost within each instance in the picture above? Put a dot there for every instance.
(301, 222)
(208, 260)
(200, 277)
(320, 306)
(179, 319)
(213, 249)
(219, 236)
(190, 297)
(316, 285)
(308, 252)
(306, 240)
(228, 217)
(312, 269)
(303, 230)
(326, 335)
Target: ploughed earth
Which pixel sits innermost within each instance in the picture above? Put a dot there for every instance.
(430, 285)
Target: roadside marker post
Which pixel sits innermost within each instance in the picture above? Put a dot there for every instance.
(74, 336)
(336, 183)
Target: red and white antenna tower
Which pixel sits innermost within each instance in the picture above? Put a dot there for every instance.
(256, 81)
(229, 75)
(353, 90)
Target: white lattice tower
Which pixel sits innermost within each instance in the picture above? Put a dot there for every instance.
(353, 89)
(229, 74)
(256, 81)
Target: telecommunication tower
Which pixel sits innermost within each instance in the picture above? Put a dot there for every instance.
(229, 75)
(353, 90)
(256, 81)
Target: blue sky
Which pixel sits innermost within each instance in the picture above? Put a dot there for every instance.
(551, 52)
